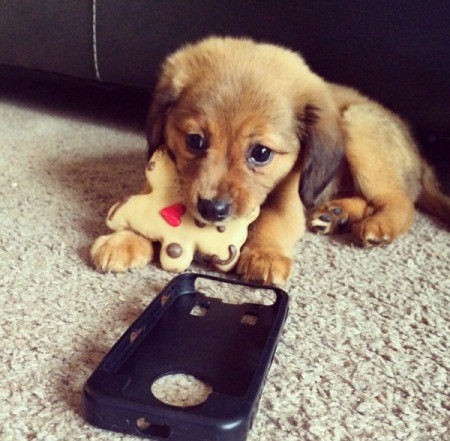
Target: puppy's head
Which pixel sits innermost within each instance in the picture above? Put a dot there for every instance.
(236, 115)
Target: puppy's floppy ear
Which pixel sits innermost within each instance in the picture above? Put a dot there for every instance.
(172, 81)
(164, 97)
(322, 150)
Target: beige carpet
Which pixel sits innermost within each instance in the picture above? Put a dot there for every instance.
(365, 354)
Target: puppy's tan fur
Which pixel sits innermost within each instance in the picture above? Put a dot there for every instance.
(328, 141)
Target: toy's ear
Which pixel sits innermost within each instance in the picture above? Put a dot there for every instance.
(167, 91)
(322, 150)
(161, 172)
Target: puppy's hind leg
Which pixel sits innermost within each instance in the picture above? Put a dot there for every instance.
(386, 170)
(393, 216)
(338, 215)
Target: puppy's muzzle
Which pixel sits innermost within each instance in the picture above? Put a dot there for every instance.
(213, 209)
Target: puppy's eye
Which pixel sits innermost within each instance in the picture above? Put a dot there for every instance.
(196, 143)
(259, 155)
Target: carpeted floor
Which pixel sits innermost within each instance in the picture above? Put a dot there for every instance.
(365, 354)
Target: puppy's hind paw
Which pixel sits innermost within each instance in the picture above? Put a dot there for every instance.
(264, 266)
(372, 232)
(121, 251)
(328, 219)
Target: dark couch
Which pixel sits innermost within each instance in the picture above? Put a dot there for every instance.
(396, 52)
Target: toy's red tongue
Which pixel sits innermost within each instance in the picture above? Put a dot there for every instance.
(173, 213)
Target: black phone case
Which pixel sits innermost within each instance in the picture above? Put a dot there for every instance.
(218, 348)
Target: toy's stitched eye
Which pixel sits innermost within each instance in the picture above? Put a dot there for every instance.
(196, 143)
(259, 155)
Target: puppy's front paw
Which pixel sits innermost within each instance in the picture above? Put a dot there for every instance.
(121, 251)
(264, 266)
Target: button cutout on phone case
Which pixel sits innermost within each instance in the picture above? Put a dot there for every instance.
(150, 429)
(200, 309)
(249, 319)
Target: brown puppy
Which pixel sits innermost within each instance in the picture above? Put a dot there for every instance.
(250, 125)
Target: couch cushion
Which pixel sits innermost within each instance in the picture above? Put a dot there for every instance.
(50, 35)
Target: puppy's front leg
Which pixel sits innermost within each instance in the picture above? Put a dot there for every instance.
(120, 251)
(267, 255)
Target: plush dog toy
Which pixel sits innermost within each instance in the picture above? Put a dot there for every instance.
(159, 215)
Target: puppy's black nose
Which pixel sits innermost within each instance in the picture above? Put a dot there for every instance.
(213, 209)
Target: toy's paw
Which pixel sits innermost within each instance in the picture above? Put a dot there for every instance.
(121, 251)
(328, 219)
(373, 231)
(264, 266)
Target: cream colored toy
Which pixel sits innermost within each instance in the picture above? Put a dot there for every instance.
(161, 216)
